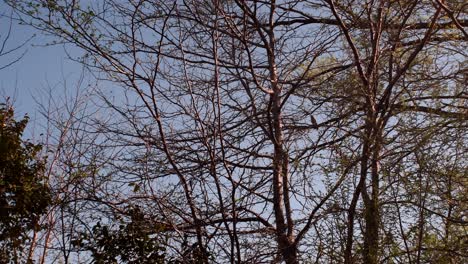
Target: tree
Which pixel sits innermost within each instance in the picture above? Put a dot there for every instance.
(270, 131)
(24, 197)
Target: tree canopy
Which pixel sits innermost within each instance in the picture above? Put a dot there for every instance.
(24, 196)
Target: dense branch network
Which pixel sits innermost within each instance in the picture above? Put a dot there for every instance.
(268, 131)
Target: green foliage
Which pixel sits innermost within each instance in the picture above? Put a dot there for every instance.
(24, 196)
(132, 243)
(445, 250)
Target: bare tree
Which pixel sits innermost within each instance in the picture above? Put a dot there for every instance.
(271, 131)
(10, 55)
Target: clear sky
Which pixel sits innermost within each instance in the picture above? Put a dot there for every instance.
(42, 67)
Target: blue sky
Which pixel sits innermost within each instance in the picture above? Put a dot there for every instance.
(41, 67)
